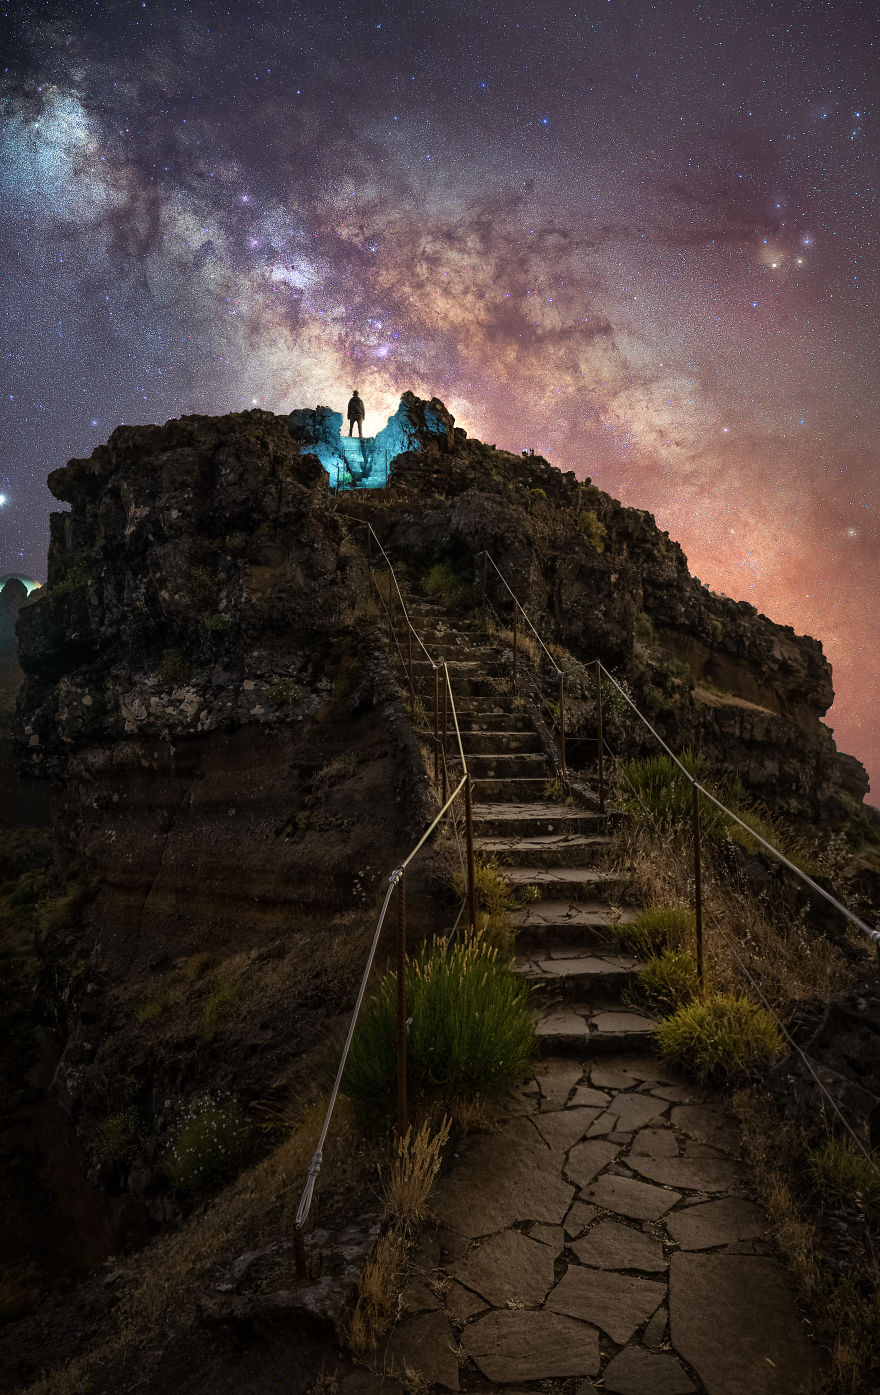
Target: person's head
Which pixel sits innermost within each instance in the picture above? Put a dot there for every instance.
(354, 392)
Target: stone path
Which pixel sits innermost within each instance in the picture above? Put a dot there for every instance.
(604, 1236)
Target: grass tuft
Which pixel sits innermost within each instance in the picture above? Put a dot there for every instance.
(446, 584)
(655, 929)
(843, 1173)
(414, 1166)
(720, 1037)
(470, 1031)
(669, 980)
(207, 1145)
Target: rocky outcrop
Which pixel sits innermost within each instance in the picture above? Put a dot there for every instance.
(12, 597)
(609, 584)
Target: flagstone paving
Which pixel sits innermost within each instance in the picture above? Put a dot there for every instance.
(604, 1235)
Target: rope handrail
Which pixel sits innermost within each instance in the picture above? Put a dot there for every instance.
(490, 558)
(872, 935)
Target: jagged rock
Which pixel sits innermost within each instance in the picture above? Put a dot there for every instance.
(843, 1052)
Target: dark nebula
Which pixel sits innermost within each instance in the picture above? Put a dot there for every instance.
(640, 237)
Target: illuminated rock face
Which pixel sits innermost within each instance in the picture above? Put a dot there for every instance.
(355, 463)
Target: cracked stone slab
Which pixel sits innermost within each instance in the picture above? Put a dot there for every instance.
(634, 1110)
(656, 1330)
(502, 1178)
(552, 1235)
(585, 1094)
(616, 1303)
(586, 1160)
(635, 1371)
(509, 1267)
(655, 1143)
(707, 1125)
(462, 1304)
(425, 1344)
(556, 1080)
(564, 1127)
(765, 1350)
(613, 1021)
(611, 1245)
(692, 1174)
(511, 1346)
(579, 1218)
(623, 1072)
(639, 1200)
(713, 1223)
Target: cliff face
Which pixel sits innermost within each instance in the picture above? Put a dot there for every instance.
(708, 671)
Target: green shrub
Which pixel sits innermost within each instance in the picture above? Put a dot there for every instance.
(216, 624)
(655, 929)
(448, 585)
(174, 669)
(669, 980)
(656, 792)
(207, 1145)
(119, 1136)
(592, 529)
(284, 692)
(720, 1037)
(29, 888)
(204, 587)
(774, 833)
(470, 1029)
(78, 578)
(842, 1172)
(220, 1007)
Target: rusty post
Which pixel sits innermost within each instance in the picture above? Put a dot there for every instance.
(299, 1254)
(409, 663)
(600, 740)
(562, 721)
(445, 724)
(515, 612)
(369, 543)
(436, 724)
(401, 1007)
(485, 585)
(469, 840)
(698, 883)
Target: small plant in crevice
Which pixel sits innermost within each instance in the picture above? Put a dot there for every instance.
(445, 583)
(174, 669)
(204, 587)
(207, 1145)
(219, 1009)
(407, 1183)
(720, 1037)
(217, 624)
(284, 692)
(119, 1136)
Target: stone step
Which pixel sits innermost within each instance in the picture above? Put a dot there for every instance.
(569, 922)
(490, 718)
(504, 766)
(487, 743)
(556, 883)
(526, 820)
(586, 974)
(581, 1028)
(505, 791)
(543, 849)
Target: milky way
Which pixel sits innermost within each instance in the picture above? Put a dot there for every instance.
(640, 238)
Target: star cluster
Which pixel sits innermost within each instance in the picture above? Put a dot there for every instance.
(640, 237)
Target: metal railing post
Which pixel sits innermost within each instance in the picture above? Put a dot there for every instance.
(299, 1254)
(402, 1111)
(412, 689)
(698, 882)
(600, 739)
(437, 726)
(485, 585)
(469, 840)
(444, 736)
(562, 720)
(515, 609)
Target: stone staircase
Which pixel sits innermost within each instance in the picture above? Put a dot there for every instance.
(551, 852)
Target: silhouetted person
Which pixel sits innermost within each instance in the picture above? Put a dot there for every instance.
(356, 414)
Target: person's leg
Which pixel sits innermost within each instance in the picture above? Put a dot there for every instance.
(360, 428)
(350, 425)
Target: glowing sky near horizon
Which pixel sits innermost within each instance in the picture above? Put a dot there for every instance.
(642, 238)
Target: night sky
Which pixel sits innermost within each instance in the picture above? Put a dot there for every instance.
(642, 238)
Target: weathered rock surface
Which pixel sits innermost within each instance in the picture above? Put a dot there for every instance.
(425, 1344)
(610, 1245)
(637, 1372)
(510, 1347)
(616, 1303)
(502, 1179)
(733, 1320)
(507, 1268)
